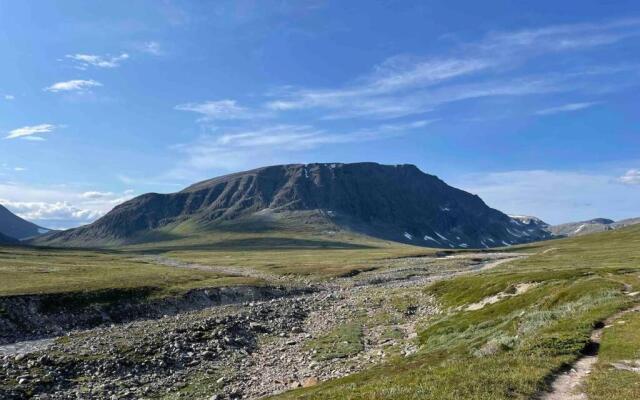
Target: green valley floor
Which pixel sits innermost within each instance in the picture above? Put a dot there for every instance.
(377, 321)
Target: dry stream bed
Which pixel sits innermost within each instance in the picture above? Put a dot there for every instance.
(248, 350)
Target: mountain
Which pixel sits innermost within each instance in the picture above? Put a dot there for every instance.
(398, 203)
(15, 227)
(590, 226)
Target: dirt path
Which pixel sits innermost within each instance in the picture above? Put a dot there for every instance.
(569, 385)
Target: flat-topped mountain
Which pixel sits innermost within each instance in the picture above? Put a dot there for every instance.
(15, 227)
(394, 202)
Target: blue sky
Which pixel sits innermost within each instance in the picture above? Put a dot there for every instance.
(534, 108)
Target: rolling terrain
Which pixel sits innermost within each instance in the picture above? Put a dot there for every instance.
(405, 323)
(591, 226)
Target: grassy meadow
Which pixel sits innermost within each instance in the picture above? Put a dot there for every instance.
(28, 270)
(510, 349)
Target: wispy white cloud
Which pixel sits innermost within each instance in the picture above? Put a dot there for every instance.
(631, 177)
(246, 148)
(555, 196)
(8, 97)
(83, 61)
(75, 85)
(30, 132)
(96, 195)
(220, 110)
(566, 108)
(405, 85)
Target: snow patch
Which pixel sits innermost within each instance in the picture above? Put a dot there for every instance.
(408, 235)
(512, 233)
(445, 209)
(505, 243)
(581, 227)
(42, 231)
(464, 245)
(442, 237)
(427, 237)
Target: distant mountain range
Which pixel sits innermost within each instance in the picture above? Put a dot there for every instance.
(591, 226)
(15, 227)
(393, 202)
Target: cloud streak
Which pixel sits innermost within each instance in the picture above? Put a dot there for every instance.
(83, 61)
(405, 85)
(75, 85)
(246, 148)
(30, 132)
(219, 110)
(566, 108)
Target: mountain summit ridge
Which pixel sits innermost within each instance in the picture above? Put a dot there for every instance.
(394, 202)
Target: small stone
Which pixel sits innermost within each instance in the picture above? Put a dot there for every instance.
(295, 385)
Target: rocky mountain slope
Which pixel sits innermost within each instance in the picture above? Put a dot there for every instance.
(398, 203)
(15, 227)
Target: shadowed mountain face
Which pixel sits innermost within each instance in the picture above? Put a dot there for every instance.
(4, 239)
(15, 227)
(398, 203)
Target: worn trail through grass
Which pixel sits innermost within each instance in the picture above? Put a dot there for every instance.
(569, 385)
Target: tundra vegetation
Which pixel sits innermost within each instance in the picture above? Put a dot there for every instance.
(389, 321)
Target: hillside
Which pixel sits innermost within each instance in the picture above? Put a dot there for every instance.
(13, 226)
(398, 203)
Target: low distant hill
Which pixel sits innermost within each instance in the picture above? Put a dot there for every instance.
(590, 226)
(392, 202)
(15, 227)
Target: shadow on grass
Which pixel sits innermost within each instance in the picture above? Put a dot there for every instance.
(262, 244)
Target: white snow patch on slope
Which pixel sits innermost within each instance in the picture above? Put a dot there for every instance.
(581, 227)
(442, 237)
(505, 243)
(408, 235)
(42, 231)
(427, 237)
(513, 233)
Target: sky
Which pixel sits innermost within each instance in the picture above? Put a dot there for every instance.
(534, 106)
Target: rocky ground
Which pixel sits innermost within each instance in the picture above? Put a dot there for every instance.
(244, 351)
